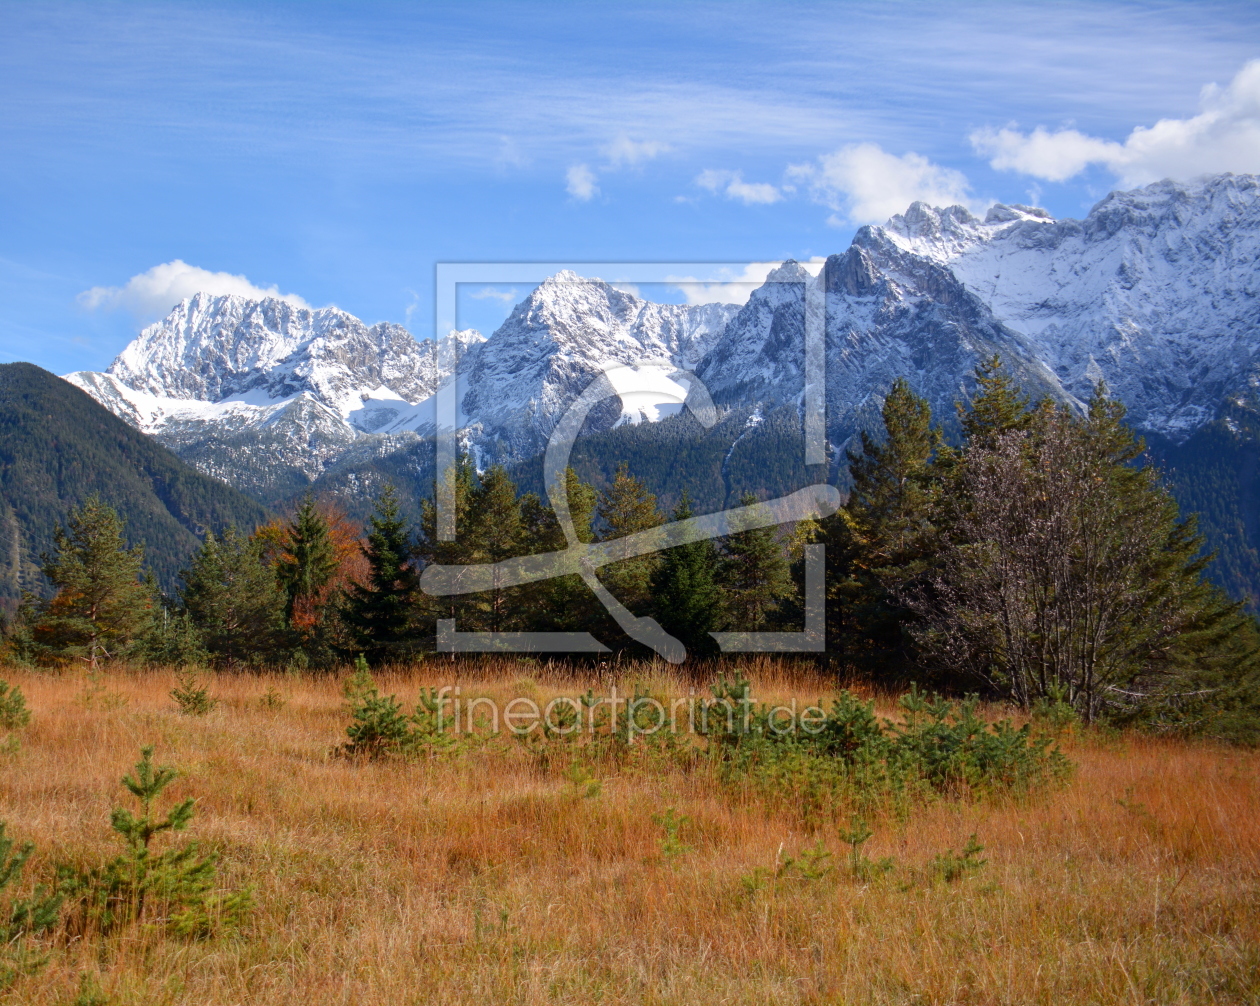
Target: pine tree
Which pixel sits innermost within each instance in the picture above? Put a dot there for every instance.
(626, 507)
(178, 881)
(21, 917)
(429, 550)
(687, 599)
(583, 499)
(234, 601)
(100, 604)
(170, 639)
(381, 613)
(883, 536)
(494, 530)
(310, 559)
(755, 574)
(997, 407)
(563, 603)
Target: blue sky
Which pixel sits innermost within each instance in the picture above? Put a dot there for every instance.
(336, 152)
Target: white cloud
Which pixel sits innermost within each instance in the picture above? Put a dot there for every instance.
(580, 183)
(625, 152)
(1224, 136)
(157, 290)
(1051, 156)
(738, 288)
(868, 185)
(733, 186)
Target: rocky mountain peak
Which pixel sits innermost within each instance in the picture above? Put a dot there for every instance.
(216, 347)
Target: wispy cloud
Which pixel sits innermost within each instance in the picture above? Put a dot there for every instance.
(867, 184)
(624, 152)
(580, 183)
(494, 293)
(157, 290)
(732, 185)
(1224, 136)
(417, 89)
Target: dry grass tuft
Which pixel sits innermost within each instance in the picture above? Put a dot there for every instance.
(479, 877)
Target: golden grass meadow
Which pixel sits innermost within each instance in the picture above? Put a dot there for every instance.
(483, 875)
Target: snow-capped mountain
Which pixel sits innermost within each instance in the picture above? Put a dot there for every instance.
(269, 396)
(1155, 292)
(888, 315)
(557, 340)
(265, 353)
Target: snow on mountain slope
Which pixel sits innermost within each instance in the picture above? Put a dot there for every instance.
(212, 349)
(287, 388)
(1154, 292)
(889, 314)
(554, 343)
(300, 389)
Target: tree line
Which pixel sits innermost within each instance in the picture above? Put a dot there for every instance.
(1037, 560)
(313, 590)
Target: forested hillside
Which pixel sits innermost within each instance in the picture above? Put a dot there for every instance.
(1216, 475)
(58, 446)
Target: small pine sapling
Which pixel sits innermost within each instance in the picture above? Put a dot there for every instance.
(671, 844)
(141, 883)
(809, 864)
(378, 726)
(950, 868)
(581, 782)
(753, 882)
(855, 836)
(23, 917)
(1054, 711)
(13, 712)
(96, 696)
(359, 684)
(191, 695)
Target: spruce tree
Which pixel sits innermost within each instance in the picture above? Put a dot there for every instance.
(100, 604)
(170, 639)
(177, 882)
(21, 917)
(997, 407)
(688, 602)
(381, 613)
(884, 535)
(583, 500)
(494, 530)
(310, 559)
(754, 574)
(429, 550)
(626, 507)
(234, 601)
(563, 603)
